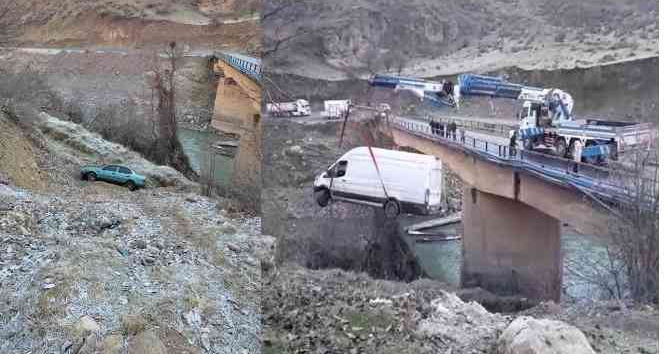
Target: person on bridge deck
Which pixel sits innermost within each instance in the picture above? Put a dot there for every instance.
(462, 135)
(576, 154)
(512, 143)
(452, 130)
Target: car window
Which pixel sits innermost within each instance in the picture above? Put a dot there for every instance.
(110, 168)
(341, 168)
(124, 170)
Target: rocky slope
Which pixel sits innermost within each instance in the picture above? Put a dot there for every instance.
(330, 39)
(91, 267)
(333, 311)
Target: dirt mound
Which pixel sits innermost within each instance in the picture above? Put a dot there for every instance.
(18, 164)
(318, 311)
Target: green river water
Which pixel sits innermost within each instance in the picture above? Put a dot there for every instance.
(442, 260)
(198, 147)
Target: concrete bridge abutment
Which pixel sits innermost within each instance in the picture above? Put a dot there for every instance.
(509, 247)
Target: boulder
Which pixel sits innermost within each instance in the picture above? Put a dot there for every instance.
(527, 335)
(146, 342)
(133, 324)
(112, 344)
(85, 325)
(89, 345)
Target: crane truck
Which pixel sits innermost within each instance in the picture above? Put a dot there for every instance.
(546, 122)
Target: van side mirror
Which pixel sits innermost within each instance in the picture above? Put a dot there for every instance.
(329, 173)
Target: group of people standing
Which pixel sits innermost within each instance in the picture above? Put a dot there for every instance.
(445, 129)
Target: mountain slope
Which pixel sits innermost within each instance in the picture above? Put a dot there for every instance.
(326, 38)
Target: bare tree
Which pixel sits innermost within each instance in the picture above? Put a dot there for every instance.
(167, 146)
(635, 229)
(400, 61)
(627, 266)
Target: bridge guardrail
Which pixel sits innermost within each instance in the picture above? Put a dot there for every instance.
(581, 175)
(247, 65)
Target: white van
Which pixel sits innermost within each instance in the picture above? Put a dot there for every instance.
(411, 183)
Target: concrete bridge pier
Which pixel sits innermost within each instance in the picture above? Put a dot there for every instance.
(510, 248)
(237, 111)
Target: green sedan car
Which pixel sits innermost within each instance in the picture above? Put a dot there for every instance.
(114, 174)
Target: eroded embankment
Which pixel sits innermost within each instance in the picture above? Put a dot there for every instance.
(93, 83)
(93, 267)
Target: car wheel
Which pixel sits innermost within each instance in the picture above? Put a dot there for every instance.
(391, 208)
(130, 185)
(322, 197)
(91, 176)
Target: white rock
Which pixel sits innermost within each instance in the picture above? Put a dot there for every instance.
(526, 335)
(86, 324)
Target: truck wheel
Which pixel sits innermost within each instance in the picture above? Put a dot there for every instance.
(322, 197)
(130, 185)
(561, 147)
(91, 176)
(391, 208)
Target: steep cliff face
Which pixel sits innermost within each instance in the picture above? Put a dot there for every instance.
(432, 37)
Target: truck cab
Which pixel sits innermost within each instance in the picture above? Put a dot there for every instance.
(302, 108)
(533, 115)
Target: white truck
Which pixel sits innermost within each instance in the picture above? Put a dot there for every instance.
(297, 108)
(589, 140)
(397, 181)
(335, 109)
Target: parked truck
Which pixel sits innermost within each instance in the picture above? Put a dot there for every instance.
(297, 108)
(396, 181)
(335, 109)
(589, 140)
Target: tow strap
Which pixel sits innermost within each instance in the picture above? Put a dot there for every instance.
(368, 142)
(380, 178)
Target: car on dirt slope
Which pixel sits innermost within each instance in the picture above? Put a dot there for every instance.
(114, 174)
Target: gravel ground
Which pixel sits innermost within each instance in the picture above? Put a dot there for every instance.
(88, 267)
(333, 311)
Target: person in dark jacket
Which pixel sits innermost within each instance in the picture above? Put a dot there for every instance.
(512, 143)
(452, 130)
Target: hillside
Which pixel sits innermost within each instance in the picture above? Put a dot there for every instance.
(331, 38)
(90, 267)
(204, 24)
